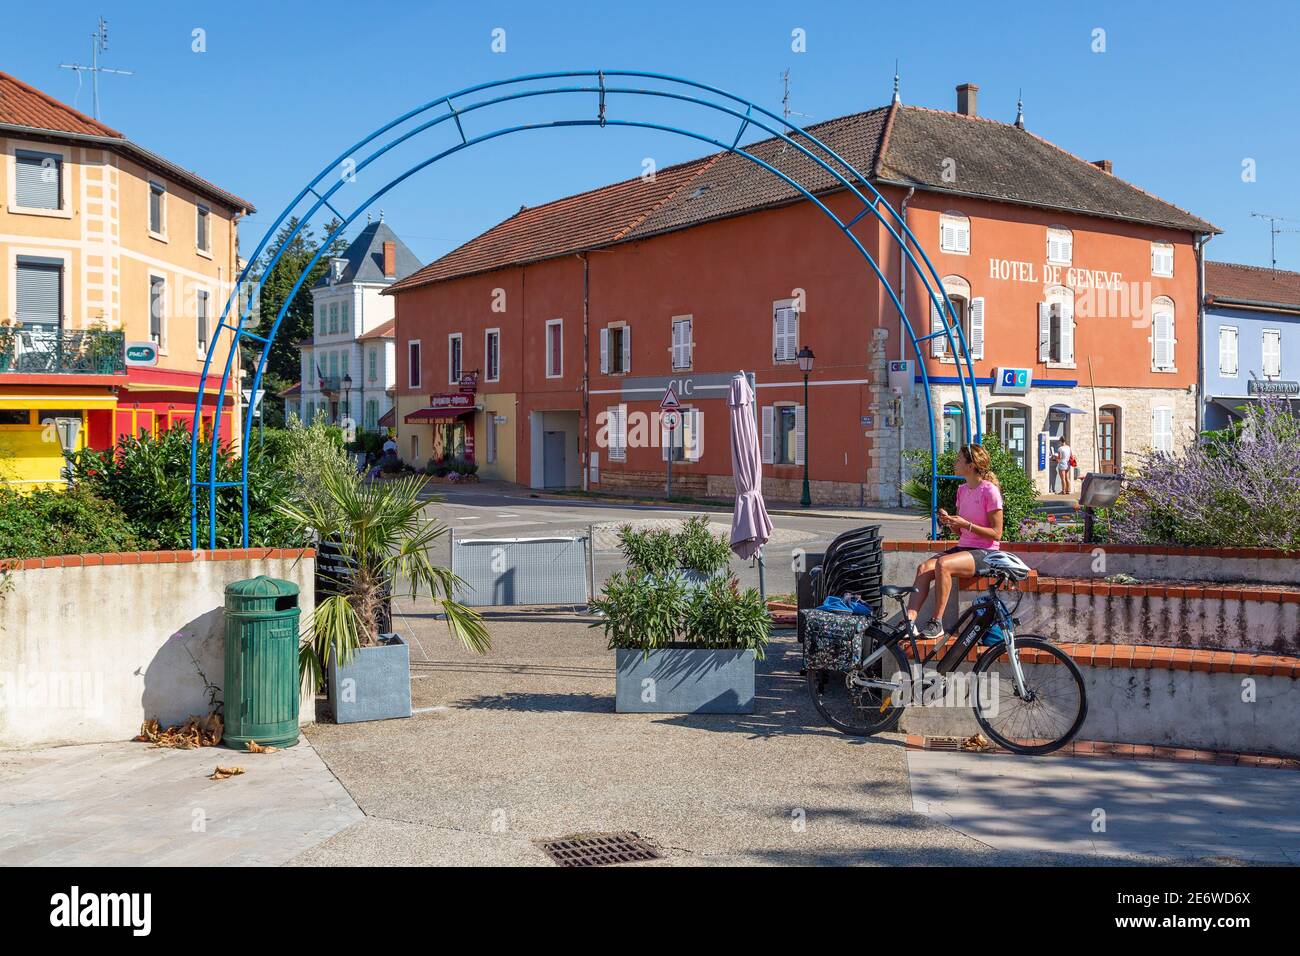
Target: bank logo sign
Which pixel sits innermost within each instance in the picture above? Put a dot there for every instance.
(1011, 381)
(141, 353)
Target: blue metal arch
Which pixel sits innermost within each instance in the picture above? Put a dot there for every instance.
(850, 179)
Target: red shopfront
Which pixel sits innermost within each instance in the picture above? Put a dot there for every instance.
(451, 419)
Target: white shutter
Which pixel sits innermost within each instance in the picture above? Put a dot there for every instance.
(681, 343)
(963, 236)
(617, 431)
(627, 349)
(800, 434)
(1162, 340)
(1044, 332)
(665, 436)
(1228, 351)
(938, 344)
(769, 427)
(977, 328)
(604, 352)
(1067, 333)
(693, 422)
(37, 180)
(947, 235)
(1272, 346)
(1162, 429)
(785, 334)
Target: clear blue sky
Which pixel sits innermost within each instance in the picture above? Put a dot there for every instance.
(1183, 93)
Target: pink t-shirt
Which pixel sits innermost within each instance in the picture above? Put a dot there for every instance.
(974, 504)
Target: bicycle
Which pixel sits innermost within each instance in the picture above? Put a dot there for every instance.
(1044, 706)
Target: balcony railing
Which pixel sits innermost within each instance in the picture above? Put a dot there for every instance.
(52, 351)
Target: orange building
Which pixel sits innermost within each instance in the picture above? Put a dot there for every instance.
(578, 314)
(115, 265)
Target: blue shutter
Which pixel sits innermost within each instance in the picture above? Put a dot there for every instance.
(40, 293)
(37, 180)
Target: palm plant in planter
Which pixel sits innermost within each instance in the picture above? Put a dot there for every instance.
(381, 538)
(685, 636)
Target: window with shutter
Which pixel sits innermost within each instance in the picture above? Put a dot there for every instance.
(785, 334)
(1162, 341)
(413, 370)
(453, 358)
(555, 349)
(201, 320)
(492, 355)
(1162, 429)
(616, 432)
(682, 342)
(939, 341)
(38, 180)
(1162, 259)
(334, 318)
(157, 304)
(1060, 246)
(977, 327)
(800, 434)
(1044, 332)
(1067, 334)
(373, 368)
(693, 422)
(625, 343)
(769, 434)
(157, 209)
(345, 318)
(201, 228)
(604, 351)
(954, 234)
(1228, 351)
(40, 292)
(1272, 353)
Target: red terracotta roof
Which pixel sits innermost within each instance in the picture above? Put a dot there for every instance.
(1233, 282)
(385, 331)
(23, 105)
(897, 144)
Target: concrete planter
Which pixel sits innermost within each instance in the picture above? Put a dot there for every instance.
(374, 685)
(682, 680)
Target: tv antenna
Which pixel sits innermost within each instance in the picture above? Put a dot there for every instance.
(785, 101)
(1273, 233)
(98, 44)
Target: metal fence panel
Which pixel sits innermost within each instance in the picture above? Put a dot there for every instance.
(502, 572)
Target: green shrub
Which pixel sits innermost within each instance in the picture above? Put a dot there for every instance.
(700, 550)
(1019, 498)
(648, 551)
(659, 550)
(148, 478)
(44, 523)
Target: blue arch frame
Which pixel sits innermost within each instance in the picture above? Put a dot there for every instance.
(674, 88)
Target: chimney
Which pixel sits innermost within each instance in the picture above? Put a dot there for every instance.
(390, 260)
(1104, 165)
(966, 96)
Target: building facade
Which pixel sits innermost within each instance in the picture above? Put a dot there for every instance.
(109, 256)
(587, 309)
(1252, 339)
(348, 372)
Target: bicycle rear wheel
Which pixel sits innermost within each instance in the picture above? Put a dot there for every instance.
(853, 709)
(1053, 710)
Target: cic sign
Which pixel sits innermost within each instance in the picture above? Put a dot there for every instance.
(1011, 381)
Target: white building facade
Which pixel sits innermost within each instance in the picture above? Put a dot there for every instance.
(348, 366)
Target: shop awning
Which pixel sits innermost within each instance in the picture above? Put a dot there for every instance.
(437, 414)
(64, 401)
(1068, 410)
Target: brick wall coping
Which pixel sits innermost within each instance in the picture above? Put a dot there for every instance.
(1097, 587)
(1149, 657)
(152, 557)
(1041, 547)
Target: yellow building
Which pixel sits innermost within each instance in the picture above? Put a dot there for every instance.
(106, 251)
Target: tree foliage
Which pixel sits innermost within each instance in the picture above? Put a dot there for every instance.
(1019, 498)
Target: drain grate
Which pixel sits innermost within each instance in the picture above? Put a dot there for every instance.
(599, 849)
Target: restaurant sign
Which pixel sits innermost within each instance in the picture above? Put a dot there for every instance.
(1283, 389)
(451, 400)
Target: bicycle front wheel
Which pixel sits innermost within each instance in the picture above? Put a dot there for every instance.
(1050, 712)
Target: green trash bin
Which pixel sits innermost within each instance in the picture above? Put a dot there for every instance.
(262, 687)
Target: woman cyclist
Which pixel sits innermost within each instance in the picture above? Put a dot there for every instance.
(979, 523)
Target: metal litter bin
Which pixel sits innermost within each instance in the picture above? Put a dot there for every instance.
(262, 686)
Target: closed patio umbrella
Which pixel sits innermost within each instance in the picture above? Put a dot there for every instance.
(750, 525)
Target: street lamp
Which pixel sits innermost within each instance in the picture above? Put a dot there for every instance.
(347, 394)
(805, 358)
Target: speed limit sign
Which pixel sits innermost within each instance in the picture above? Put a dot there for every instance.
(672, 419)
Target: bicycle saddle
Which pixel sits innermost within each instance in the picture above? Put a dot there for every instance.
(896, 590)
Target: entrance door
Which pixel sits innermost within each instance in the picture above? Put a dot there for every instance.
(1108, 452)
(1011, 424)
(1058, 427)
(553, 464)
(1013, 439)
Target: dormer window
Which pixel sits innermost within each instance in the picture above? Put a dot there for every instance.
(337, 266)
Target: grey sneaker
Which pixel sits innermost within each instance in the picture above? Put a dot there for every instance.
(933, 629)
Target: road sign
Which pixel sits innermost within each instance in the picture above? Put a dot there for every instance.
(670, 400)
(141, 353)
(672, 419)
